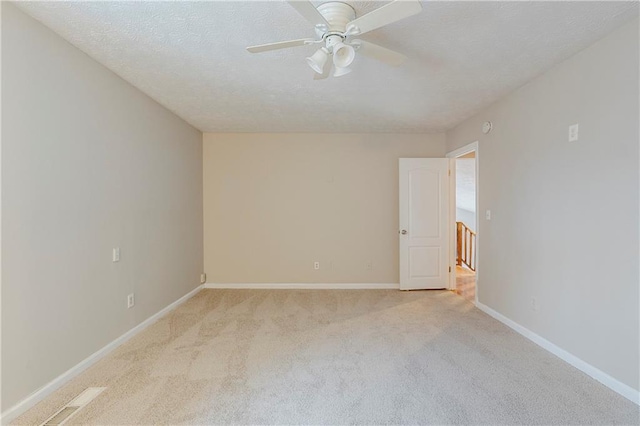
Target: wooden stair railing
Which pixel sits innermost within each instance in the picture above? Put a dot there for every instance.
(466, 245)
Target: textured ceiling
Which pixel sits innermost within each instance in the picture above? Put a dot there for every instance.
(191, 58)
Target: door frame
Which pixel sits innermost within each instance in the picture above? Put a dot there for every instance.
(472, 147)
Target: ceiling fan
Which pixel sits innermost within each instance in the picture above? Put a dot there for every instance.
(336, 24)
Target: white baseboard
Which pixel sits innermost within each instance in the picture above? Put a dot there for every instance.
(313, 286)
(625, 390)
(37, 396)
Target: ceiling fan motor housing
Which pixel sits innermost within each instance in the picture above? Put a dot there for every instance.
(338, 15)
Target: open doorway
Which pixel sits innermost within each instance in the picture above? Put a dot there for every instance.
(464, 221)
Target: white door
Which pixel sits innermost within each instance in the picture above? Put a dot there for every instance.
(424, 218)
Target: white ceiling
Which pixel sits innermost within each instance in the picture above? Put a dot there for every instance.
(191, 58)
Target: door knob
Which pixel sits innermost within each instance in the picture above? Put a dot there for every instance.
(403, 232)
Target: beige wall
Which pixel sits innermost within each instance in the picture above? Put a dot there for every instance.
(88, 163)
(275, 203)
(564, 226)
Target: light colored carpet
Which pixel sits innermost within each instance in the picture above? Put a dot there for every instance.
(335, 357)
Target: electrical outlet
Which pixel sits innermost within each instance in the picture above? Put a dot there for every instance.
(203, 278)
(573, 132)
(487, 215)
(316, 265)
(130, 301)
(116, 254)
(369, 266)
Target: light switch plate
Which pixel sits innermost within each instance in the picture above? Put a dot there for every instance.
(116, 254)
(573, 132)
(487, 215)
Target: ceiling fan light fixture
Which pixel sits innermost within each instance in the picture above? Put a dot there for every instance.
(343, 55)
(318, 60)
(340, 71)
(335, 22)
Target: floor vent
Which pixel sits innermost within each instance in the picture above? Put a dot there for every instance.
(72, 408)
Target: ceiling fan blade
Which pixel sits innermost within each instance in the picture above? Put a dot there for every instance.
(385, 15)
(325, 72)
(309, 12)
(379, 53)
(279, 45)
